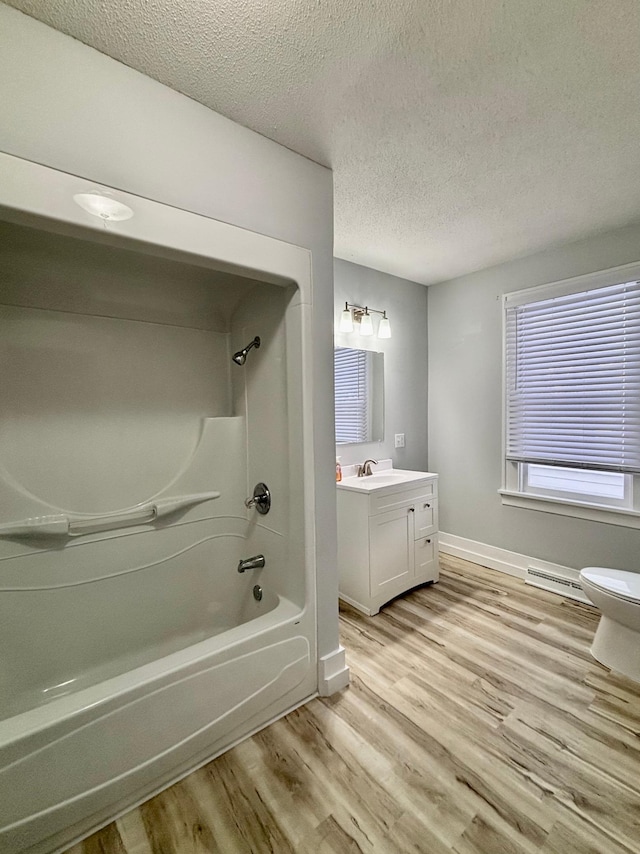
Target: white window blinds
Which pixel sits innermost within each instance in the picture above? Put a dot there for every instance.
(351, 395)
(573, 379)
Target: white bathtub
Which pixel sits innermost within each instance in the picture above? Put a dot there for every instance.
(140, 714)
(69, 766)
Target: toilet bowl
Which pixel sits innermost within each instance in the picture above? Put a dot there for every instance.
(616, 593)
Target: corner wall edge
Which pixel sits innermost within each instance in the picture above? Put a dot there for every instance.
(333, 673)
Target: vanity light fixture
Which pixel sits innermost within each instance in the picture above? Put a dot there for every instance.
(361, 314)
(101, 203)
(384, 329)
(366, 323)
(346, 320)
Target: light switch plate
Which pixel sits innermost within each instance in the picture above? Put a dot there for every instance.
(399, 440)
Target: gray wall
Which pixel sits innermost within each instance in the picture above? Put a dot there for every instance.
(69, 107)
(405, 360)
(465, 414)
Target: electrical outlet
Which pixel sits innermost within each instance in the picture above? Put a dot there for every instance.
(399, 440)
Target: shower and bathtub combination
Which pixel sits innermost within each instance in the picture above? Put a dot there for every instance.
(157, 592)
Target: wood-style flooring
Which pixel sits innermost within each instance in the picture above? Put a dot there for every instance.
(476, 721)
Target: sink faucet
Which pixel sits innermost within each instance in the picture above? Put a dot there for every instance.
(365, 469)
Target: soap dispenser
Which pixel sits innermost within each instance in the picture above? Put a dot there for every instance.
(338, 470)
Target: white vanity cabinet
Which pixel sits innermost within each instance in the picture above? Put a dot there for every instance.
(387, 540)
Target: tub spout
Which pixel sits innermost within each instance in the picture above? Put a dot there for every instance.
(256, 562)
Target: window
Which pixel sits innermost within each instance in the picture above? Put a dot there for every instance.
(578, 484)
(572, 393)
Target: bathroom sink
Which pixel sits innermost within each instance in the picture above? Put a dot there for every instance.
(379, 479)
(384, 479)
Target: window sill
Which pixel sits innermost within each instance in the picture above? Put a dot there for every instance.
(576, 509)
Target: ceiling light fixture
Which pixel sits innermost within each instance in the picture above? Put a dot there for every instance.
(361, 314)
(101, 203)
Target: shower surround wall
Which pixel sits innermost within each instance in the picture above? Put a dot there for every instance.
(119, 395)
(99, 119)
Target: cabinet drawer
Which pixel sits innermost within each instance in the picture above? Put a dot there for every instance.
(426, 517)
(402, 498)
(426, 566)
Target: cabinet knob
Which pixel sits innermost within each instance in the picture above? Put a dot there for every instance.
(412, 510)
(427, 541)
(426, 506)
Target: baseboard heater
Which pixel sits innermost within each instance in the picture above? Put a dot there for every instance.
(555, 583)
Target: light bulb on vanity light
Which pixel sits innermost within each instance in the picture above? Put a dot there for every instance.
(384, 330)
(366, 324)
(346, 320)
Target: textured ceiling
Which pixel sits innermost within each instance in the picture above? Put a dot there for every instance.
(461, 133)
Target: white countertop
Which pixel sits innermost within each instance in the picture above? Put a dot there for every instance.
(383, 477)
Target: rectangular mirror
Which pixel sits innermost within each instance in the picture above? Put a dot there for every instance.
(359, 393)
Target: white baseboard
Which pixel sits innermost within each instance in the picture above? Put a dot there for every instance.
(512, 563)
(333, 673)
(501, 559)
(354, 604)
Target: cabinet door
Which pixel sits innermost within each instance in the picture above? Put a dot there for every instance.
(426, 559)
(391, 552)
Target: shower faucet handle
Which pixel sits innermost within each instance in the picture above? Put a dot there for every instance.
(261, 499)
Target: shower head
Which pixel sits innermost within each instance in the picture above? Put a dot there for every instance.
(241, 356)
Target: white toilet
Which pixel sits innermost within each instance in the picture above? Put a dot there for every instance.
(616, 593)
